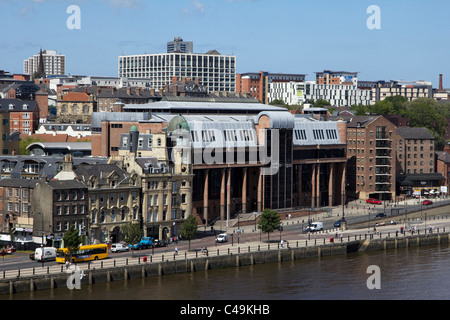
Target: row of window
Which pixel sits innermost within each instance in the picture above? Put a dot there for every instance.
(230, 135)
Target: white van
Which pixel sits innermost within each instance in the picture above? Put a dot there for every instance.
(118, 247)
(45, 254)
(223, 237)
(315, 226)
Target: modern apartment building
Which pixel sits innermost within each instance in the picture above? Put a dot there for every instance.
(54, 63)
(337, 77)
(410, 90)
(339, 95)
(215, 71)
(257, 83)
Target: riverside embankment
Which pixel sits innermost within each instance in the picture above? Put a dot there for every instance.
(109, 270)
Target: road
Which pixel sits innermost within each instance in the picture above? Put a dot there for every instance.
(357, 216)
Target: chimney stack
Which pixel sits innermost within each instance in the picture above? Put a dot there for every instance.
(441, 87)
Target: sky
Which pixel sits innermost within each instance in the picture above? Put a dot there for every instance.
(289, 36)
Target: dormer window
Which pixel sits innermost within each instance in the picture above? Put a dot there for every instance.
(25, 106)
(11, 106)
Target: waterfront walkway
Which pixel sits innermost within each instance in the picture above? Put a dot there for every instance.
(436, 224)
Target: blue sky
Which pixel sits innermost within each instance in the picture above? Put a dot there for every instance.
(290, 36)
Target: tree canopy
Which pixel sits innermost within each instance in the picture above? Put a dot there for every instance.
(72, 241)
(189, 229)
(269, 221)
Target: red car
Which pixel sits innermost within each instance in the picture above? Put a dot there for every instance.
(427, 202)
(373, 201)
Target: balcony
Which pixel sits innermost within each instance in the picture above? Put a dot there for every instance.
(382, 162)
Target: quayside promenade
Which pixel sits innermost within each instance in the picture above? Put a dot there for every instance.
(326, 243)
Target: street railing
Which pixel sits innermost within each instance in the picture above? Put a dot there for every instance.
(320, 238)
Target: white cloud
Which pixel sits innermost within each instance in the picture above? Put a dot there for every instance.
(196, 8)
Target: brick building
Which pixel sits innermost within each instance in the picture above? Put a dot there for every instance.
(371, 152)
(415, 151)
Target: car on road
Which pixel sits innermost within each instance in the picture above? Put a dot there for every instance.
(118, 247)
(373, 201)
(223, 237)
(337, 224)
(380, 215)
(427, 202)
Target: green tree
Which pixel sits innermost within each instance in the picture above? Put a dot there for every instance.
(72, 241)
(131, 234)
(277, 102)
(24, 143)
(423, 112)
(360, 110)
(189, 229)
(321, 103)
(269, 221)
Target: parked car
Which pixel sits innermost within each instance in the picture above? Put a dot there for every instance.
(427, 202)
(380, 215)
(159, 243)
(118, 247)
(373, 201)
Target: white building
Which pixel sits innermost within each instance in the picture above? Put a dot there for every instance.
(54, 63)
(297, 93)
(215, 71)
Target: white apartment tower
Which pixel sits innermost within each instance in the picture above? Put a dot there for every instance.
(54, 63)
(215, 71)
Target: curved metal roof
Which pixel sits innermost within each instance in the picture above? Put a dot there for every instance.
(278, 120)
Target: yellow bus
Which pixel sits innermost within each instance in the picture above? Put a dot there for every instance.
(84, 253)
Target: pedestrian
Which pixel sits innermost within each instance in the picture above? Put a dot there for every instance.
(176, 250)
(281, 243)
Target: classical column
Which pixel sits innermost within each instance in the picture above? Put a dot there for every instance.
(299, 184)
(331, 185)
(259, 192)
(343, 183)
(244, 191)
(205, 197)
(318, 197)
(313, 186)
(222, 195)
(228, 193)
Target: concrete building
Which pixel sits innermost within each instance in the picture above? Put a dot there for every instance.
(216, 71)
(408, 89)
(178, 45)
(338, 95)
(54, 63)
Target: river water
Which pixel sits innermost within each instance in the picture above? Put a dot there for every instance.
(412, 273)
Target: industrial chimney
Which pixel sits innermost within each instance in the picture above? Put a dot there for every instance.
(441, 87)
